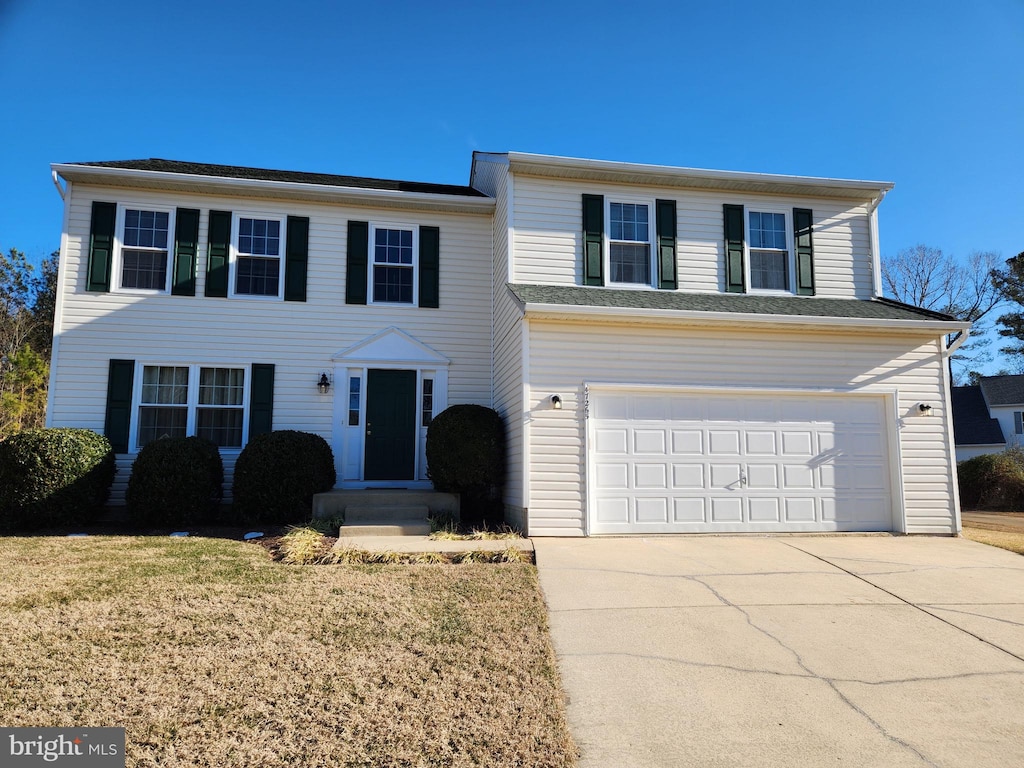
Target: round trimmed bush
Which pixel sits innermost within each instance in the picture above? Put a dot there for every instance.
(466, 455)
(277, 474)
(993, 481)
(176, 481)
(54, 477)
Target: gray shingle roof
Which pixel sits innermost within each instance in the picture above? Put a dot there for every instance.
(972, 424)
(1003, 390)
(300, 177)
(878, 309)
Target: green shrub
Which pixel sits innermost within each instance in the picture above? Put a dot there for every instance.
(54, 477)
(176, 481)
(993, 481)
(466, 455)
(277, 474)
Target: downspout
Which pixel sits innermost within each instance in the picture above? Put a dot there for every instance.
(876, 257)
(56, 183)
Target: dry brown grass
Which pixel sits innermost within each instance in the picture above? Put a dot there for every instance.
(1005, 539)
(212, 655)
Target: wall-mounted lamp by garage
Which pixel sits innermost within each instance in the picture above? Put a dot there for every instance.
(556, 402)
(324, 385)
(924, 409)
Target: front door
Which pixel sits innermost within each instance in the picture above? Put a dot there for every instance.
(390, 447)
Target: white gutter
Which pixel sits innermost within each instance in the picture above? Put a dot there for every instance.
(56, 182)
(744, 318)
(165, 179)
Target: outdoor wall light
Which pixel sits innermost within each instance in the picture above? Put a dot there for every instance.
(324, 385)
(925, 409)
(556, 402)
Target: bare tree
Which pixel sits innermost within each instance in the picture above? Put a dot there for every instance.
(927, 277)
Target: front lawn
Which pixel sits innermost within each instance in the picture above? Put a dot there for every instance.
(1004, 538)
(210, 654)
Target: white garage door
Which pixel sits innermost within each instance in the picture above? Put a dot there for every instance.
(670, 462)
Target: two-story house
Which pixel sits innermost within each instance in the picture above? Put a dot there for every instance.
(672, 350)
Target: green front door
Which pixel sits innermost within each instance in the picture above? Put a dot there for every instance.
(390, 448)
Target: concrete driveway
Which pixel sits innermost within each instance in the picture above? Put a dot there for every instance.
(789, 651)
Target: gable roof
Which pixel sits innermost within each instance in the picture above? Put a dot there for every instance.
(266, 174)
(972, 424)
(739, 304)
(1003, 390)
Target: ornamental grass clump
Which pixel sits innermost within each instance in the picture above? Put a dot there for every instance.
(176, 481)
(54, 477)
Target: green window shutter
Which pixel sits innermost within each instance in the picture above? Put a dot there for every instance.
(186, 239)
(296, 256)
(101, 246)
(803, 224)
(666, 214)
(355, 274)
(430, 267)
(261, 399)
(593, 239)
(217, 260)
(119, 403)
(733, 215)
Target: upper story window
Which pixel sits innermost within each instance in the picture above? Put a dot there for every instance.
(394, 265)
(629, 243)
(1018, 422)
(768, 244)
(257, 257)
(142, 260)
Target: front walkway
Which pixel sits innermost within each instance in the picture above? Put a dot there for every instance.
(789, 651)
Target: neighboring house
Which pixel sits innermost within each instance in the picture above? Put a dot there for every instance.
(989, 416)
(672, 350)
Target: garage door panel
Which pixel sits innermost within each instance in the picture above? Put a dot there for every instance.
(689, 510)
(734, 462)
(726, 510)
(723, 442)
(611, 440)
(761, 443)
(764, 510)
(687, 442)
(612, 475)
(647, 476)
(688, 476)
(649, 441)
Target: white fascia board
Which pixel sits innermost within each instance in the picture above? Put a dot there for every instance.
(679, 176)
(282, 189)
(682, 316)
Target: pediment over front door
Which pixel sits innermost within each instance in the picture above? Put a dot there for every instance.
(394, 347)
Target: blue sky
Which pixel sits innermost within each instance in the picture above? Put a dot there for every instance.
(926, 93)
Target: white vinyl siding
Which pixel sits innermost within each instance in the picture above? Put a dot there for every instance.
(548, 241)
(300, 338)
(565, 356)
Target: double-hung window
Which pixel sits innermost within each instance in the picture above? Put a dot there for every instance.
(144, 236)
(629, 243)
(768, 242)
(393, 264)
(258, 249)
(1018, 422)
(182, 400)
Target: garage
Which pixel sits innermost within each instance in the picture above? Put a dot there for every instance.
(671, 461)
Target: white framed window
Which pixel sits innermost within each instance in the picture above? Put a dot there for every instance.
(394, 263)
(174, 400)
(144, 241)
(769, 251)
(1018, 422)
(257, 256)
(630, 252)
(427, 403)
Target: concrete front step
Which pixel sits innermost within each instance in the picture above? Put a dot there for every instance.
(382, 514)
(334, 503)
(418, 527)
